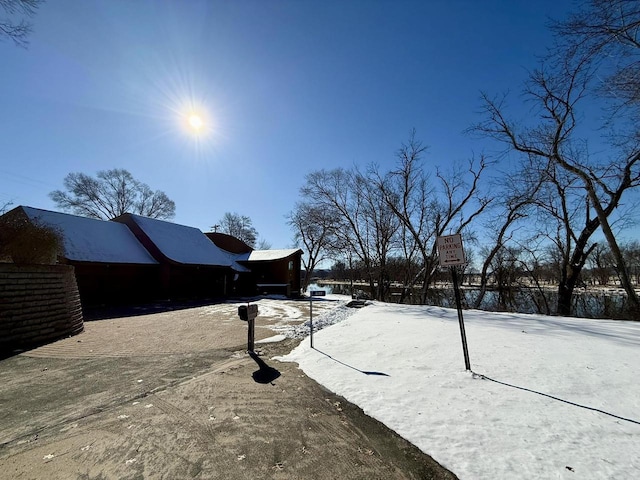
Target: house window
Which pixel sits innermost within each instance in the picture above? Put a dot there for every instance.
(290, 265)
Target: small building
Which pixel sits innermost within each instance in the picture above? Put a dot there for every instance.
(274, 271)
(270, 271)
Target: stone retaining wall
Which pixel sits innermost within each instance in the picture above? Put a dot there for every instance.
(38, 304)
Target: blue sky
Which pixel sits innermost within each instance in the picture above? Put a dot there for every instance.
(286, 87)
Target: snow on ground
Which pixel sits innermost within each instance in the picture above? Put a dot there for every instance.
(269, 307)
(326, 312)
(272, 306)
(285, 315)
(549, 397)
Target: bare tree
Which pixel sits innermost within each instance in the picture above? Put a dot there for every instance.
(5, 206)
(428, 210)
(567, 221)
(505, 272)
(13, 24)
(334, 191)
(409, 194)
(239, 226)
(602, 268)
(533, 264)
(110, 194)
(552, 143)
(363, 228)
(378, 216)
(381, 230)
(409, 250)
(520, 191)
(605, 34)
(263, 244)
(314, 230)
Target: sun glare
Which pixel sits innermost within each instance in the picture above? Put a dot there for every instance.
(198, 126)
(181, 106)
(195, 122)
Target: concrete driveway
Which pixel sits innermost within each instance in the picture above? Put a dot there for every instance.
(168, 391)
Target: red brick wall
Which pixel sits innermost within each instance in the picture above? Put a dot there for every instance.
(38, 304)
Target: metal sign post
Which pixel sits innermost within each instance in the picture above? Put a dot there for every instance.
(456, 290)
(313, 293)
(451, 254)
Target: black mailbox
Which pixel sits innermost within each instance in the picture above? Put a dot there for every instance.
(247, 312)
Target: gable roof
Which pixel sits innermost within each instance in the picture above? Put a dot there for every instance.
(180, 243)
(91, 240)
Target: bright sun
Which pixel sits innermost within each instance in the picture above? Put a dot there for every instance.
(195, 122)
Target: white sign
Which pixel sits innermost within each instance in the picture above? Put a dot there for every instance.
(450, 250)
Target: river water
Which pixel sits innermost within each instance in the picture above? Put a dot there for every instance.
(588, 303)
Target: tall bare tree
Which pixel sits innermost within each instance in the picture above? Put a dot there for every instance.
(13, 24)
(333, 190)
(110, 194)
(429, 209)
(554, 144)
(381, 229)
(363, 227)
(408, 193)
(518, 194)
(314, 229)
(605, 35)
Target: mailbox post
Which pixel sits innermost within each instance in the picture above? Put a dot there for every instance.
(248, 313)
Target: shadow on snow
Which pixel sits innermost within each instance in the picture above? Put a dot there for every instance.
(484, 377)
(350, 366)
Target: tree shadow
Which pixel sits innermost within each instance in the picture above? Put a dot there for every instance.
(265, 374)
(381, 374)
(593, 409)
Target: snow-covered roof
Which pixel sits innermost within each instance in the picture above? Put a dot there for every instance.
(184, 244)
(266, 255)
(91, 240)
